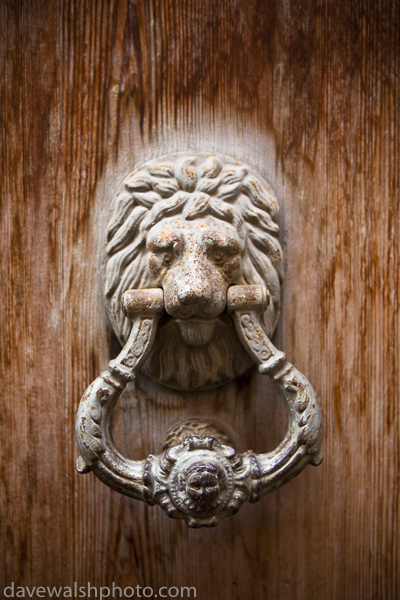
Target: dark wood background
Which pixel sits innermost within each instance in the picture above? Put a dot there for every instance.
(307, 93)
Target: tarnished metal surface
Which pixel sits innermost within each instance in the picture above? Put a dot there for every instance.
(199, 479)
(193, 225)
(203, 231)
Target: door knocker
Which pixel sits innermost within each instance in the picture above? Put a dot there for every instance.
(192, 279)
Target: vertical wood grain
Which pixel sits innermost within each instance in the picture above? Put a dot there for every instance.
(32, 352)
(306, 92)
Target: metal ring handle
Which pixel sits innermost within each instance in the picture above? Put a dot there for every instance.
(199, 480)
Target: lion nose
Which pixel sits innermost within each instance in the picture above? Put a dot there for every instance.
(195, 292)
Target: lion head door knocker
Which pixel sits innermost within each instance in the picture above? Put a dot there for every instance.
(193, 241)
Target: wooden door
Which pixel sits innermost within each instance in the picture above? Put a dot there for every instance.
(308, 94)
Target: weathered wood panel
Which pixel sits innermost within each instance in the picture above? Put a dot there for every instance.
(34, 496)
(306, 92)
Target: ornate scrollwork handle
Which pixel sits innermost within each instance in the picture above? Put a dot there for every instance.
(198, 479)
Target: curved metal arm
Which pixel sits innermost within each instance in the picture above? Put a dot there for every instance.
(305, 425)
(199, 480)
(94, 420)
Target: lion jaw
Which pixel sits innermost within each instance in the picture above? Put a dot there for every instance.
(196, 331)
(180, 365)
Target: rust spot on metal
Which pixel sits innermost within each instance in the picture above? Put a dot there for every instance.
(248, 297)
(143, 302)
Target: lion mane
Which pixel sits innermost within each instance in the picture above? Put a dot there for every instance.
(192, 186)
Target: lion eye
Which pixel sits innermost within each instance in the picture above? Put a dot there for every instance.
(167, 258)
(218, 257)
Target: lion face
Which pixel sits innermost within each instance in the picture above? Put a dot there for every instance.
(193, 226)
(194, 262)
